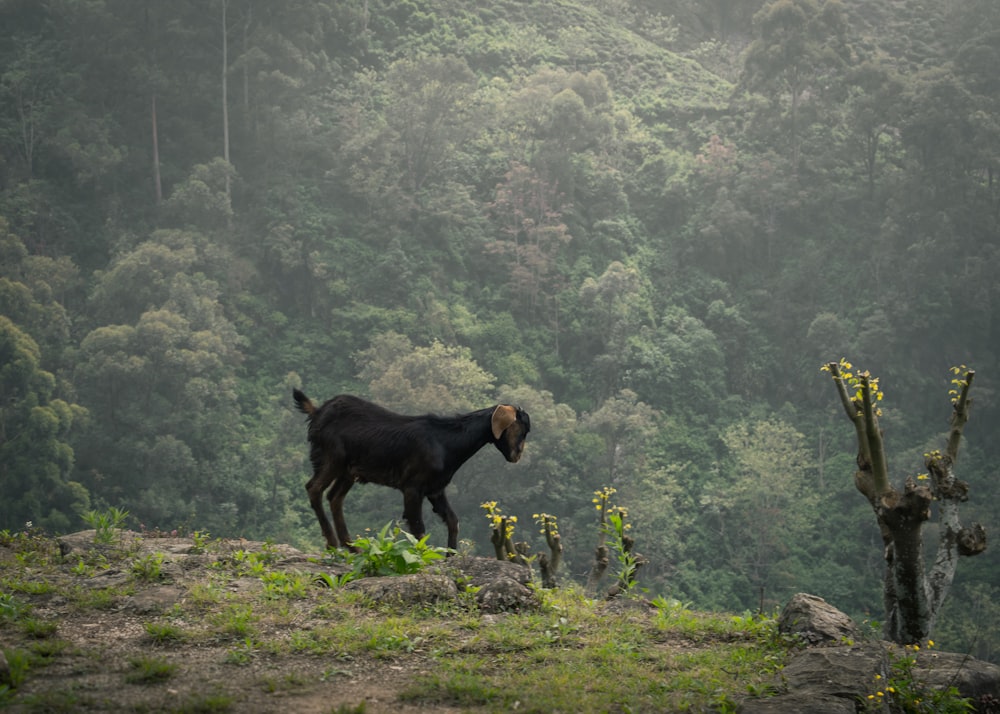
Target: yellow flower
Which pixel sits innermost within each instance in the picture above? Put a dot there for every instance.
(878, 676)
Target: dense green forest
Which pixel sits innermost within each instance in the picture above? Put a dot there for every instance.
(648, 222)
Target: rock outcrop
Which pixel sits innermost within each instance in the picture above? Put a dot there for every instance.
(834, 674)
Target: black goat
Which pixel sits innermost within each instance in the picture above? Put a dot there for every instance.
(354, 440)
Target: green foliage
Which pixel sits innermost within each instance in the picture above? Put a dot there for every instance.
(11, 608)
(391, 551)
(148, 567)
(106, 524)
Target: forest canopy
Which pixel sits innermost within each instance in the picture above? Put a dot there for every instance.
(648, 223)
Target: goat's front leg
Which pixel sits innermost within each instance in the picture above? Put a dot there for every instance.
(413, 512)
(315, 487)
(441, 507)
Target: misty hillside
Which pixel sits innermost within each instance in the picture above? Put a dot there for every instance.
(649, 224)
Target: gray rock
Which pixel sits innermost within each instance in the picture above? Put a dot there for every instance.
(154, 601)
(838, 677)
(406, 590)
(815, 621)
(972, 677)
(798, 703)
(506, 595)
(846, 672)
(478, 571)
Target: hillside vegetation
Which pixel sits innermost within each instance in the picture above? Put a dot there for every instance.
(647, 223)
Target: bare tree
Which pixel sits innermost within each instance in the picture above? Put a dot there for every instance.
(912, 595)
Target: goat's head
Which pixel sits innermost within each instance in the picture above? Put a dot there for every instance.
(510, 428)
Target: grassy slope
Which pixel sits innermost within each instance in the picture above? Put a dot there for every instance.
(141, 626)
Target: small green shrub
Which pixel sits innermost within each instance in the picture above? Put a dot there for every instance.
(12, 609)
(106, 524)
(149, 567)
(391, 551)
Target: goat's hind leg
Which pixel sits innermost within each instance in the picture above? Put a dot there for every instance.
(341, 485)
(439, 502)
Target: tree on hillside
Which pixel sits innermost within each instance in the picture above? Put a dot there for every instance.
(799, 47)
(438, 378)
(35, 456)
(766, 507)
(912, 596)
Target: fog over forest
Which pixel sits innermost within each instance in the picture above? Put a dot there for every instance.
(649, 223)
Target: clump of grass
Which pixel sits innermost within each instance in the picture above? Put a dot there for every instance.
(39, 629)
(96, 598)
(163, 633)
(236, 621)
(209, 704)
(278, 585)
(18, 664)
(244, 653)
(148, 670)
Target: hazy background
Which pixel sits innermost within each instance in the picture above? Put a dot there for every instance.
(648, 223)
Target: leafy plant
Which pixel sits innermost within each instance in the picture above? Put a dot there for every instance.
(392, 551)
(106, 524)
(621, 543)
(243, 653)
(12, 609)
(148, 567)
(200, 539)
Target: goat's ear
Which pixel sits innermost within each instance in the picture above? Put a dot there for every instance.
(503, 416)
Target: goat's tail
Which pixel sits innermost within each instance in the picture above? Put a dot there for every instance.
(303, 403)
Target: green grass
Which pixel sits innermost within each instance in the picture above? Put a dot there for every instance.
(534, 662)
(571, 654)
(163, 633)
(149, 670)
